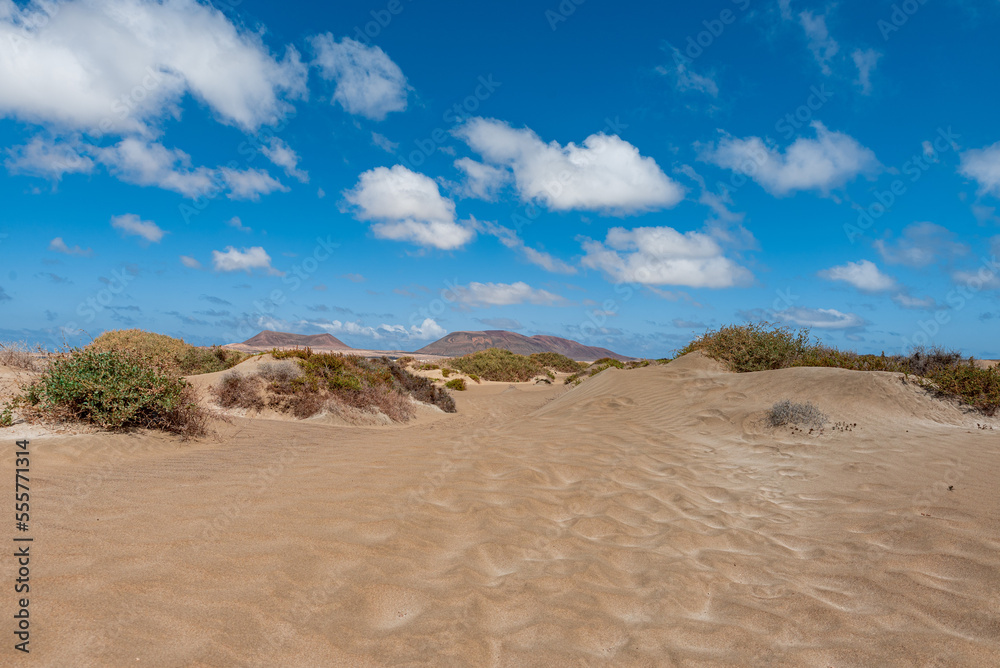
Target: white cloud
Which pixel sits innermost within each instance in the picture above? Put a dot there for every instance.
(122, 66)
(59, 246)
(605, 174)
(368, 83)
(249, 183)
(143, 163)
(511, 240)
(190, 262)
(281, 154)
(246, 260)
(664, 256)
(48, 158)
(819, 318)
(828, 161)
(687, 79)
(236, 223)
(981, 279)
(983, 165)
(906, 301)
(131, 224)
(865, 60)
(864, 275)
(502, 294)
(482, 181)
(407, 206)
(384, 143)
(428, 329)
(823, 47)
(920, 245)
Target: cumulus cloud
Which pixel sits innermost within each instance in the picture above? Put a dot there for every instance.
(131, 224)
(865, 60)
(605, 173)
(368, 83)
(819, 318)
(236, 223)
(281, 154)
(145, 163)
(249, 184)
(121, 66)
(190, 262)
(826, 162)
(407, 206)
(864, 275)
(246, 259)
(482, 181)
(983, 165)
(921, 244)
(49, 159)
(664, 256)
(59, 246)
(511, 240)
(502, 294)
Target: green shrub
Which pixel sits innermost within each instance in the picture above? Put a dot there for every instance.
(355, 381)
(557, 362)
(499, 365)
(168, 353)
(473, 377)
(606, 362)
(445, 371)
(116, 389)
(976, 387)
(753, 346)
(763, 346)
(428, 367)
(456, 384)
(7, 415)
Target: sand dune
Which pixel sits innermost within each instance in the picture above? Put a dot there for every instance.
(645, 518)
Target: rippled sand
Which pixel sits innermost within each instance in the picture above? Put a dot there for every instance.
(644, 518)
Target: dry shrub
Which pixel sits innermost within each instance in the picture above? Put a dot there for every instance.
(282, 371)
(790, 413)
(238, 391)
(19, 355)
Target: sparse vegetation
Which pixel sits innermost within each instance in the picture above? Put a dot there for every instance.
(557, 362)
(595, 368)
(500, 365)
(428, 367)
(752, 347)
(116, 390)
(168, 353)
(303, 383)
(764, 346)
(790, 413)
(456, 384)
(19, 355)
(445, 371)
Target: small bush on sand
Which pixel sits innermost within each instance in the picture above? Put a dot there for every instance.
(19, 355)
(753, 346)
(557, 362)
(238, 391)
(595, 368)
(445, 371)
(350, 380)
(168, 353)
(499, 365)
(762, 346)
(428, 367)
(456, 384)
(473, 377)
(789, 413)
(281, 371)
(116, 390)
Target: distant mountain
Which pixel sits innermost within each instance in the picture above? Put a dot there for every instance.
(267, 340)
(463, 343)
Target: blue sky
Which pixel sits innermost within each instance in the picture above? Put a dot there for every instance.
(624, 174)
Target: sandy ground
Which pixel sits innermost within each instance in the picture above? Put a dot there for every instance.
(645, 518)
